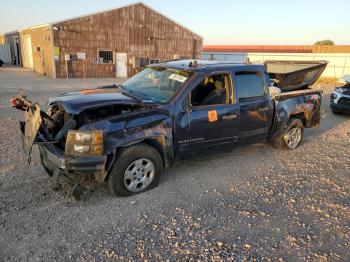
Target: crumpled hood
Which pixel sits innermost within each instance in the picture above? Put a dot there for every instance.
(77, 102)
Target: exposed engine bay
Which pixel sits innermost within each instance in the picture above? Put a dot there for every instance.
(60, 122)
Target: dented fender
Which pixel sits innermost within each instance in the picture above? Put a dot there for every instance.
(152, 126)
(303, 105)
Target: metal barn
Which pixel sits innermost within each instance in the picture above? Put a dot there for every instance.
(112, 43)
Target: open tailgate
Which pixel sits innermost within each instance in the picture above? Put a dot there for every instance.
(295, 75)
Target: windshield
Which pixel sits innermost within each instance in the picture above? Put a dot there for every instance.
(156, 83)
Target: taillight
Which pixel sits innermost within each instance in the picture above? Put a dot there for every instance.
(13, 102)
(315, 97)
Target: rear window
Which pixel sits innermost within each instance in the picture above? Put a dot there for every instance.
(249, 85)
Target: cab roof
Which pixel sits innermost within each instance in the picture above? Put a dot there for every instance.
(199, 65)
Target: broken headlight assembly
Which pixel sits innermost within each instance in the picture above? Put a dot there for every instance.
(84, 143)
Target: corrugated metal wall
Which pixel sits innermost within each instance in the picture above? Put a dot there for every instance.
(5, 53)
(13, 40)
(136, 30)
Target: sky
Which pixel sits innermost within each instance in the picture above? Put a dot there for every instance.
(219, 22)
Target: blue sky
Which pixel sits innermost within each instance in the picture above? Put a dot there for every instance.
(219, 22)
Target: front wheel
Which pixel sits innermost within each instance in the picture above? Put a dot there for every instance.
(292, 136)
(137, 169)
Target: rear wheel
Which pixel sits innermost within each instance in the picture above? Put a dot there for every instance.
(292, 136)
(137, 169)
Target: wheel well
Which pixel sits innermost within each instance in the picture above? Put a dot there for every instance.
(158, 144)
(300, 116)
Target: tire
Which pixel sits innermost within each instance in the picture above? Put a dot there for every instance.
(336, 112)
(136, 169)
(295, 129)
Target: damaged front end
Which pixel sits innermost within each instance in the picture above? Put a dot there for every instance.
(76, 137)
(62, 149)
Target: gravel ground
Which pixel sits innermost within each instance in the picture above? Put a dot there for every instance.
(254, 203)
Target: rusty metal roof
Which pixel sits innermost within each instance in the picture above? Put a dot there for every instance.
(278, 48)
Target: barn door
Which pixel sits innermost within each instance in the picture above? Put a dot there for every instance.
(28, 52)
(42, 57)
(122, 65)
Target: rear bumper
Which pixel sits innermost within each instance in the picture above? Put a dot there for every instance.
(54, 160)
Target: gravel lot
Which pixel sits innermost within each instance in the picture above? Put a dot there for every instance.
(255, 203)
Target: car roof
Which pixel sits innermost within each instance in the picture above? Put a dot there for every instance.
(199, 65)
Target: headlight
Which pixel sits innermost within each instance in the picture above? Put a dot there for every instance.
(334, 96)
(84, 143)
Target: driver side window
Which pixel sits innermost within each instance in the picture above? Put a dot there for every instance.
(213, 90)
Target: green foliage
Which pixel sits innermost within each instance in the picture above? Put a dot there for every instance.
(325, 42)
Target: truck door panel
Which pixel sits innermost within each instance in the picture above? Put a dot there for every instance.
(211, 126)
(213, 118)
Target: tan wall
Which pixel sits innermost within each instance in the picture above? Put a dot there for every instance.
(2, 39)
(119, 30)
(41, 49)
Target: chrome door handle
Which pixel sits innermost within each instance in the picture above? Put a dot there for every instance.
(264, 109)
(230, 117)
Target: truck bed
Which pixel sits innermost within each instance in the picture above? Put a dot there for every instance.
(290, 94)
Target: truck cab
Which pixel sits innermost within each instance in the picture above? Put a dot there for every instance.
(218, 109)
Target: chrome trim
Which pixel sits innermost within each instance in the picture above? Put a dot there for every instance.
(57, 161)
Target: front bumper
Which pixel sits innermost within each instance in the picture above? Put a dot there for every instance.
(54, 160)
(340, 102)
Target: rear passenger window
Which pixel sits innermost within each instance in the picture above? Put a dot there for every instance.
(249, 85)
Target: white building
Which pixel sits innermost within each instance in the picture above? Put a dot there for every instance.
(337, 55)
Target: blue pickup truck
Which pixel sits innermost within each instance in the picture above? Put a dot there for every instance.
(126, 134)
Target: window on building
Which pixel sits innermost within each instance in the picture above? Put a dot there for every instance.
(106, 56)
(213, 90)
(141, 62)
(249, 85)
(154, 61)
(144, 61)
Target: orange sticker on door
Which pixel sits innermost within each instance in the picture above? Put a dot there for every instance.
(213, 116)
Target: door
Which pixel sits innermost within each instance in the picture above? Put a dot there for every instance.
(28, 52)
(42, 59)
(16, 50)
(256, 109)
(121, 65)
(211, 119)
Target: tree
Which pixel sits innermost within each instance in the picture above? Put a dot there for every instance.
(325, 42)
